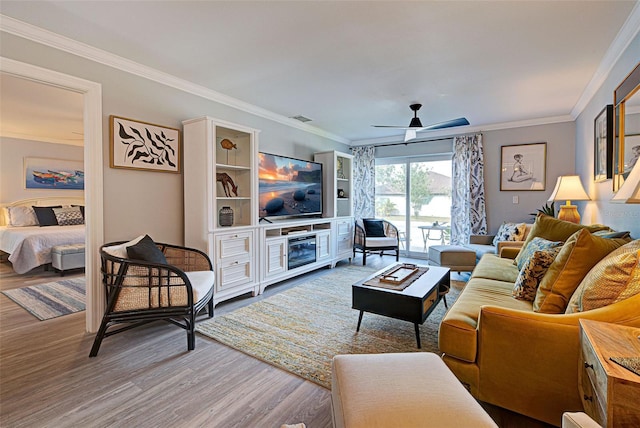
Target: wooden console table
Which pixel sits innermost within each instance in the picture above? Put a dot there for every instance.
(609, 392)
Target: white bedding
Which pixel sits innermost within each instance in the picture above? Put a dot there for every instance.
(30, 247)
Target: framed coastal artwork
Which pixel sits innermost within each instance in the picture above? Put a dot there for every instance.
(54, 174)
(603, 145)
(143, 146)
(523, 167)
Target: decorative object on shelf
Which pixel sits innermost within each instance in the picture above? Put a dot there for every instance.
(341, 193)
(523, 167)
(629, 193)
(143, 146)
(225, 216)
(603, 145)
(568, 188)
(228, 145)
(626, 149)
(340, 168)
(54, 174)
(227, 181)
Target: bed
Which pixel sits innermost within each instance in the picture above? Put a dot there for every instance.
(30, 246)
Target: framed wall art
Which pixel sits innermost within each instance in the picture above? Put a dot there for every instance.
(54, 174)
(626, 147)
(603, 145)
(523, 167)
(143, 146)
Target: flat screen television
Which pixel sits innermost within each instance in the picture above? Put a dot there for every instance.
(288, 187)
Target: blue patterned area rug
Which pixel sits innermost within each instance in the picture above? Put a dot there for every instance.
(51, 300)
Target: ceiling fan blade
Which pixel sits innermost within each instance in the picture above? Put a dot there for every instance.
(410, 134)
(461, 121)
(392, 126)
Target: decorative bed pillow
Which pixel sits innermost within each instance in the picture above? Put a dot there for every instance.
(373, 228)
(68, 216)
(578, 255)
(532, 273)
(536, 244)
(615, 278)
(22, 216)
(147, 251)
(510, 232)
(46, 216)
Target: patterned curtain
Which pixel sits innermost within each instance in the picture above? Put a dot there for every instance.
(364, 181)
(468, 214)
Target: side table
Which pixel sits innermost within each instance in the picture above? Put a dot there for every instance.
(609, 392)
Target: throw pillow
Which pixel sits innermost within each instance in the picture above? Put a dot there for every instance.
(536, 244)
(552, 229)
(146, 250)
(613, 234)
(615, 278)
(530, 276)
(373, 228)
(46, 216)
(68, 216)
(81, 208)
(510, 232)
(120, 250)
(578, 255)
(22, 216)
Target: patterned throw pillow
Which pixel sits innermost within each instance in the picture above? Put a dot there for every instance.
(510, 232)
(532, 272)
(68, 216)
(536, 244)
(615, 278)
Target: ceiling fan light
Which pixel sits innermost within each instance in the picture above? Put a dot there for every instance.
(415, 123)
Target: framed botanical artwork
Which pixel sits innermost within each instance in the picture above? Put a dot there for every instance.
(523, 167)
(626, 147)
(54, 174)
(603, 145)
(143, 146)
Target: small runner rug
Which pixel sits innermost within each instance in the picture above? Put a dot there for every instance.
(301, 329)
(51, 300)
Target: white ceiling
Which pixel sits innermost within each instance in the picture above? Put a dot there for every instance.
(349, 65)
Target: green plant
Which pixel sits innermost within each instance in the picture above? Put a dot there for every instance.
(547, 209)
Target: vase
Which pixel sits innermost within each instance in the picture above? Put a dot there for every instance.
(225, 216)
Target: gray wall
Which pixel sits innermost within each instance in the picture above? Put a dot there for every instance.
(138, 202)
(12, 154)
(600, 210)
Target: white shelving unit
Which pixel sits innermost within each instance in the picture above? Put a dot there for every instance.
(338, 183)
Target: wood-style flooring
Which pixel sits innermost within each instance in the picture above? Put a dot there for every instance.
(145, 377)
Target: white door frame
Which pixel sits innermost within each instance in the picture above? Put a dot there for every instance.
(93, 190)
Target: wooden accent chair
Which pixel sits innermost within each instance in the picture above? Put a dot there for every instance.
(139, 292)
(375, 236)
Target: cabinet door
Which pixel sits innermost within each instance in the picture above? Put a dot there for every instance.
(344, 235)
(234, 260)
(234, 246)
(323, 245)
(276, 257)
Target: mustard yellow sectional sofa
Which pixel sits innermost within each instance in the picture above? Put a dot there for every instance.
(510, 354)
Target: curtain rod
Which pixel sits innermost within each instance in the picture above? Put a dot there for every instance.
(429, 140)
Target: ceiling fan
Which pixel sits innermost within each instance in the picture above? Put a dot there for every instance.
(415, 126)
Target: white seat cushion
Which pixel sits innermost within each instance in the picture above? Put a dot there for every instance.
(201, 282)
(381, 242)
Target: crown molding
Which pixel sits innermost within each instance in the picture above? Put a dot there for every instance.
(48, 38)
(40, 138)
(625, 36)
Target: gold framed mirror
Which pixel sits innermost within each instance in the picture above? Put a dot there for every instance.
(626, 150)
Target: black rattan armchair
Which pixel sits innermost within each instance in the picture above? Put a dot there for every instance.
(139, 292)
(386, 238)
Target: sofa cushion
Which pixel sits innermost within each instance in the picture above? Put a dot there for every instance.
(532, 272)
(552, 229)
(146, 250)
(510, 232)
(578, 255)
(481, 249)
(373, 228)
(616, 277)
(536, 244)
(380, 242)
(493, 267)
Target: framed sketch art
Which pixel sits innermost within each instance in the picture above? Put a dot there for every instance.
(523, 167)
(143, 146)
(603, 145)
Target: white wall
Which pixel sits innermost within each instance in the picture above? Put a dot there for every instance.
(138, 202)
(600, 210)
(12, 154)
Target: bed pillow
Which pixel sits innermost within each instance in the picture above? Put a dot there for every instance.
(22, 216)
(147, 251)
(81, 208)
(46, 216)
(68, 216)
(510, 232)
(373, 228)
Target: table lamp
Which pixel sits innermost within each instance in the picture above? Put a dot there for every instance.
(629, 192)
(569, 188)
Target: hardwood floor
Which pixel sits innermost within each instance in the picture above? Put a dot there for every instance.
(145, 377)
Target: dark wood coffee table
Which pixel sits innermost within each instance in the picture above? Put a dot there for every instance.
(413, 304)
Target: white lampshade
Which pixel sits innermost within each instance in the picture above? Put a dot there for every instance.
(629, 193)
(569, 188)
